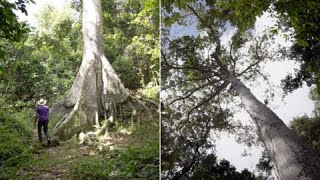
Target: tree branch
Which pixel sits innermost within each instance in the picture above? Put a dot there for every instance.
(216, 40)
(231, 46)
(187, 168)
(259, 59)
(190, 93)
(219, 89)
(183, 67)
(187, 80)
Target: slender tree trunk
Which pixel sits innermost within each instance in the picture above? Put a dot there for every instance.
(293, 158)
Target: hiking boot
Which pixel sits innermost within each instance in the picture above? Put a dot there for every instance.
(49, 142)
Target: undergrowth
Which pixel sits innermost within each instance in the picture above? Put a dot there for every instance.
(139, 159)
(150, 91)
(15, 143)
(21, 156)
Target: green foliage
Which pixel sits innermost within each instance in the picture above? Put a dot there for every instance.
(43, 65)
(264, 166)
(315, 97)
(127, 73)
(91, 168)
(303, 17)
(210, 169)
(308, 129)
(139, 159)
(151, 91)
(182, 154)
(127, 163)
(131, 33)
(15, 151)
(11, 29)
(241, 14)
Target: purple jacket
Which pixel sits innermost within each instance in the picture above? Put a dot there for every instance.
(43, 112)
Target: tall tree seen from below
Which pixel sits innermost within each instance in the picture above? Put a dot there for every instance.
(202, 75)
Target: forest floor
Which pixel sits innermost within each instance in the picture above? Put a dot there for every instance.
(131, 153)
(51, 161)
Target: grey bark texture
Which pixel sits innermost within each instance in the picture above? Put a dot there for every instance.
(293, 158)
(96, 88)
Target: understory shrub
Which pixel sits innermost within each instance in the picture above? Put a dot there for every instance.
(127, 73)
(139, 160)
(151, 91)
(126, 164)
(14, 145)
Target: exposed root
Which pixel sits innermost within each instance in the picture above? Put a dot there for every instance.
(79, 119)
(139, 109)
(154, 103)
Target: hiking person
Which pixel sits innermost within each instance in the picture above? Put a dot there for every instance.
(42, 117)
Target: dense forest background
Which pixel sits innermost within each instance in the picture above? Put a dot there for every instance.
(41, 61)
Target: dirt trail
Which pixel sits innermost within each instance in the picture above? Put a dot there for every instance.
(35, 135)
(52, 161)
(52, 172)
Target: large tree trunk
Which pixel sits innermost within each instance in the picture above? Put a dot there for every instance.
(96, 89)
(293, 158)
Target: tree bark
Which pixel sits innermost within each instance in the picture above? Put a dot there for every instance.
(96, 88)
(293, 158)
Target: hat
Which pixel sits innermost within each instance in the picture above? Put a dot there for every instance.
(42, 102)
